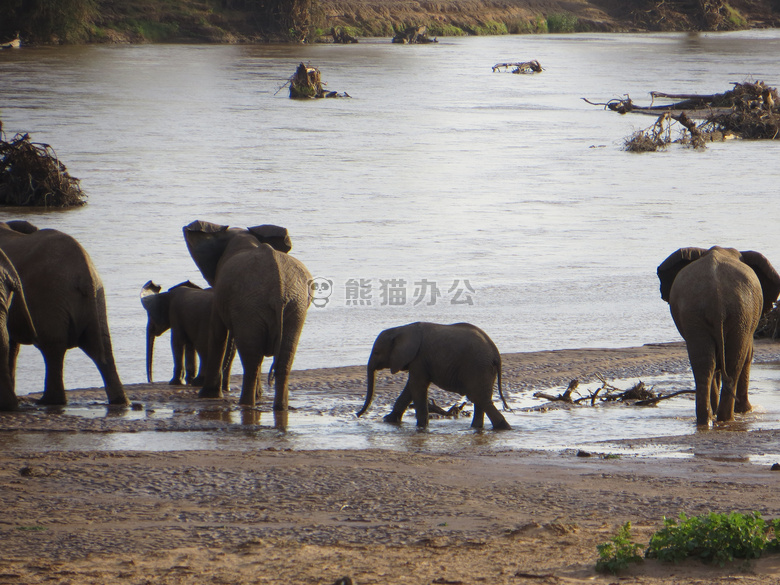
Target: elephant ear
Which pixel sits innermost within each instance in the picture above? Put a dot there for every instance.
(21, 226)
(185, 284)
(157, 305)
(206, 243)
(669, 269)
(273, 235)
(406, 345)
(767, 276)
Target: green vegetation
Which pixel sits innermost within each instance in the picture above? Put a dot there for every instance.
(488, 28)
(440, 29)
(528, 27)
(716, 538)
(619, 552)
(734, 18)
(563, 22)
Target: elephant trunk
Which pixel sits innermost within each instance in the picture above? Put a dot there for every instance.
(150, 336)
(369, 388)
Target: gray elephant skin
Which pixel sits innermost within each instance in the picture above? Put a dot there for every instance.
(261, 296)
(10, 290)
(716, 297)
(460, 358)
(67, 303)
(185, 309)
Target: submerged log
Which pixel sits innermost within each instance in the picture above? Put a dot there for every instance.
(520, 67)
(341, 36)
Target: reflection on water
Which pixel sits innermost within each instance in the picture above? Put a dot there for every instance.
(327, 421)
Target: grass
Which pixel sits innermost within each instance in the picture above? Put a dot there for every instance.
(735, 18)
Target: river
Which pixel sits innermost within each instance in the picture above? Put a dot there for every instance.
(507, 193)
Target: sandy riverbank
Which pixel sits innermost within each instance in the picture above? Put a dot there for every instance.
(277, 516)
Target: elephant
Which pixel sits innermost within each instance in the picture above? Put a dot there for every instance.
(716, 298)
(261, 296)
(67, 303)
(10, 290)
(460, 358)
(185, 309)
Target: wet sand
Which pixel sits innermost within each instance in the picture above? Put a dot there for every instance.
(378, 516)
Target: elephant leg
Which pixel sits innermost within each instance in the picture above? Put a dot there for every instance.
(227, 363)
(496, 418)
(478, 420)
(212, 383)
(189, 363)
(293, 318)
(737, 373)
(54, 388)
(250, 387)
(702, 358)
(13, 354)
(742, 404)
(103, 358)
(8, 400)
(177, 347)
(401, 404)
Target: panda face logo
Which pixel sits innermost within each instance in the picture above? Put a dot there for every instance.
(320, 290)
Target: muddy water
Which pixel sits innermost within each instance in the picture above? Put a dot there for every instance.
(507, 194)
(327, 421)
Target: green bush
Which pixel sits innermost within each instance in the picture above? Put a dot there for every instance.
(734, 18)
(616, 554)
(563, 22)
(712, 537)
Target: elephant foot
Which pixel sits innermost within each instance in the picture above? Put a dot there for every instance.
(51, 401)
(176, 382)
(393, 418)
(9, 405)
(197, 381)
(206, 392)
(742, 407)
(122, 401)
(502, 426)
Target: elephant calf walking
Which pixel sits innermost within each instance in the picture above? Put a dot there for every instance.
(460, 358)
(717, 297)
(185, 309)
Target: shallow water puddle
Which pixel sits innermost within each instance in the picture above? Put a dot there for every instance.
(327, 421)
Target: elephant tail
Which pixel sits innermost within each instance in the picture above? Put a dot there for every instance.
(497, 365)
(278, 345)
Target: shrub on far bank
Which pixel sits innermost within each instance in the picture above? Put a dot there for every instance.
(488, 28)
(537, 26)
(562, 22)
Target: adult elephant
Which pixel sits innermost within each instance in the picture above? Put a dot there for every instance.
(185, 309)
(10, 290)
(717, 297)
(67, 303)
(459, 358)
(261, 296)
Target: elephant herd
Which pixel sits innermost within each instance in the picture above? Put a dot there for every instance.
(52, 297)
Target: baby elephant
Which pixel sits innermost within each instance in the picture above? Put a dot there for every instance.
(185, 309)
(459, 358)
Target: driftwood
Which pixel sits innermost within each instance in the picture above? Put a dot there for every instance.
(306, 82)
(749, 110)
(637, 395)
(32, 175)
(521, 67)
(413, 35)
(12, 44)
(341, 36)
